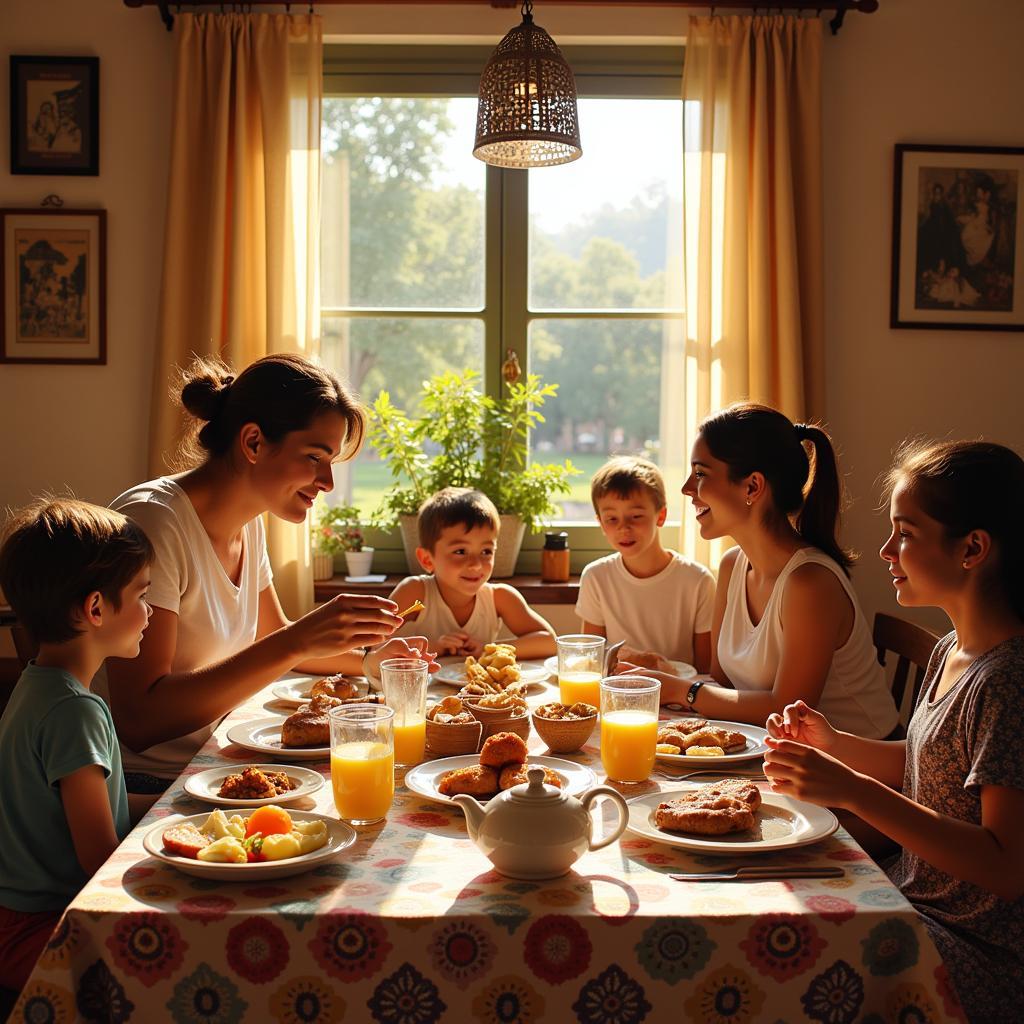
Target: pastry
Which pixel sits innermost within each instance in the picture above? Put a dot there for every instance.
(334, 686)
(711, 817)
(310, 725)
(704, 751)
(476, 780)
(686, 725)
(515, 775)
(503, 748)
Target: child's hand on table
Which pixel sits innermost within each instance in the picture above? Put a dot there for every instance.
(460, 644)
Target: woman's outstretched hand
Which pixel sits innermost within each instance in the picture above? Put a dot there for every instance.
(342, 624)
(803, 724)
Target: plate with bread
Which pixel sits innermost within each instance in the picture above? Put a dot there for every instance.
(501, 764)
(302, 689)
(241, 786)
(731, 816)
(496, 669)
(696, 740)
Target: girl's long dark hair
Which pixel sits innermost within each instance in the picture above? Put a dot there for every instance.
(752, 438)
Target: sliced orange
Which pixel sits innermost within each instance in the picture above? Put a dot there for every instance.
(269, 821)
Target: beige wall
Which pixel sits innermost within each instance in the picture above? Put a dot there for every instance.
(944, 71)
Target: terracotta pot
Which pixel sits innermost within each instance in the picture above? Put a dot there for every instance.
(323, 566)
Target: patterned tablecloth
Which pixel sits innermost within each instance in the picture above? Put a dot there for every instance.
(412, 926)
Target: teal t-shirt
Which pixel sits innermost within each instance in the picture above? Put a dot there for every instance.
(51, 727)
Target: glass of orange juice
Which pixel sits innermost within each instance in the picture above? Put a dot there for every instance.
(404, 681)
(629, 726)
(580, 665)
(362, 761)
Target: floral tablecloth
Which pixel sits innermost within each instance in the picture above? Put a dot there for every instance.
(411, 926)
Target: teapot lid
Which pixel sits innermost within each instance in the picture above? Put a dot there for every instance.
(536, 791)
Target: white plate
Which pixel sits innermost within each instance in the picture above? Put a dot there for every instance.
(453, 672)
(264, 736)
(296, 691)
(204, 785)
(339, 836)
(756, 746)
(780, 823)
(423, 779)
(679, 668)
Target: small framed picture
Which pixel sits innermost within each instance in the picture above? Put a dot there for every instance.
(53, 302)
(958, 238)
(55, 115)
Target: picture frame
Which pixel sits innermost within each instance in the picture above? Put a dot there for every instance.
(55, 115)
(53, 303)
(958, 238)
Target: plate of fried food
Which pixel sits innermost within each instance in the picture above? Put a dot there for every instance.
(255, 844)
(689, 740)
(235, 786)
(732, 816)
(496, 669)
(501, 764)
(302, 689)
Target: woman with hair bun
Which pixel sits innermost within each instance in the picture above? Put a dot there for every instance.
(787, 624)
(262, 441)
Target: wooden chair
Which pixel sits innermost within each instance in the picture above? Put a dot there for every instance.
(913, 646)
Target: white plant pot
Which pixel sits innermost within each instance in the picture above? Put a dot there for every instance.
(408, 526)
(359, 562)
(323, 566)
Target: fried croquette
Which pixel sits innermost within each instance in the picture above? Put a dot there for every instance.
(515, 775)
(503, 748)
(476, 780)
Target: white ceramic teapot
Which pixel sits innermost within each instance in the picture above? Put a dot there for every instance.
(536, 831)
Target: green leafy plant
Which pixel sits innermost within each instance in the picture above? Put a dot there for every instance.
(337, 529)
(479, 442)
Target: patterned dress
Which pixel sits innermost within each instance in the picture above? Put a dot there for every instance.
(972, 736)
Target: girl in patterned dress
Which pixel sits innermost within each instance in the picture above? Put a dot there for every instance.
(957, 509)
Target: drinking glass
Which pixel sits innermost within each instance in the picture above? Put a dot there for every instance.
(362, 761)
(404, 681)
(580, 666)
(629, 726)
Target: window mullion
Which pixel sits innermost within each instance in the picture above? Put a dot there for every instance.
(515, 268)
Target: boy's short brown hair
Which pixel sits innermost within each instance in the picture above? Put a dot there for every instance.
(56, 552)
(455, 506)
(625, 475)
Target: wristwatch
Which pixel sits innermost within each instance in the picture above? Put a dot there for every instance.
(691, 694)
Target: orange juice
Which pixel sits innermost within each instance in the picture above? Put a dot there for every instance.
(410, 742)
(576, 686)
(628, 739)
(363, 777)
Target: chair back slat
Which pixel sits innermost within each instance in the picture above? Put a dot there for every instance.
(913, 646)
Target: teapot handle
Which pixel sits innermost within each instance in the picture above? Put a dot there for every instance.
(588, 798)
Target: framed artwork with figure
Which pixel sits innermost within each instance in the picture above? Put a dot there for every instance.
(958, 238)
(55, 115)
(53, 297)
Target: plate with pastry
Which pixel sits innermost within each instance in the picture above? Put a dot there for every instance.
(678, 668)
(238, 786)
(692, 740)
(253, 844)
(496, 669)
(302, 689)
(731, 816)
(501, 764)
(263, 736)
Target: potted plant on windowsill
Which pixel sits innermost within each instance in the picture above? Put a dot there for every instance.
(337, 530)
(464, 438)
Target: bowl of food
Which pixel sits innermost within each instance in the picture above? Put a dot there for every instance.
(504, 711)
(452, 729)
(565, 727)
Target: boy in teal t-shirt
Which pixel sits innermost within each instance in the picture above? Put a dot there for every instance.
(76, 576)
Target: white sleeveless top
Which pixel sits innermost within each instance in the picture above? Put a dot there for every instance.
(855, 697)
(436, 620)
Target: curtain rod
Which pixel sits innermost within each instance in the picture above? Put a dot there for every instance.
(817, 6)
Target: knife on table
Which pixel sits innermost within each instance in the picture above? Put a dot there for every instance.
(760, 873)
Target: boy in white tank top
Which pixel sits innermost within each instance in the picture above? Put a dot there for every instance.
(458, 534)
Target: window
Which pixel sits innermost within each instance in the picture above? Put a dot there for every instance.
(432, 260)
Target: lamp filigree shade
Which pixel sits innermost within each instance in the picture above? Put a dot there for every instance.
(527, 115)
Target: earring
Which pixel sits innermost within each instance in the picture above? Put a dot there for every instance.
(966, 566)
(749, 503)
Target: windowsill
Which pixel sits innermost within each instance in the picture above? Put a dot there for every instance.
(533, 588)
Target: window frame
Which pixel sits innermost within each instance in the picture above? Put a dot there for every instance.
(438, 71)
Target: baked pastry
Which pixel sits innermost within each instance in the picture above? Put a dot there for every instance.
(739, 789)
(711, 817)
(310, 725)
(334, 686)
(704, 751)
(709, 736)
(515, 775)
(672, 738)
(503, 748)
(686, 725)
(476, 780)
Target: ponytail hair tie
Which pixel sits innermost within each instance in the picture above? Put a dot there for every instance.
(802, 431)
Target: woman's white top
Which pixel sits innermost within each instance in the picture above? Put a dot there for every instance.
(436, 620)
(216, 618)
(855, 697)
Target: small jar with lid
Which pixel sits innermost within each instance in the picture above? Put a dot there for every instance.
(554, 558)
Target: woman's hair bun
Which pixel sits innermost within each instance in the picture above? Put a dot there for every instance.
(204, 388)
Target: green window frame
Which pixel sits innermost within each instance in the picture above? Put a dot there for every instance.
(635, 72)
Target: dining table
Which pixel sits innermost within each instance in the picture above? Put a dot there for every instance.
(412, 925)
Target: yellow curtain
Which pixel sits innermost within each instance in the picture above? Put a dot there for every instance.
(752, 207)
(240, 276)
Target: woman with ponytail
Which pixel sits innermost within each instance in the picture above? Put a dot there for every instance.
(951, 794)
(262, 441)
(787, 624)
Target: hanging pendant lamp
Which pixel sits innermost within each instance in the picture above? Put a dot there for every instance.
(527, 114)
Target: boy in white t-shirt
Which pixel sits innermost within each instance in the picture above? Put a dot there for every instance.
(652, 598)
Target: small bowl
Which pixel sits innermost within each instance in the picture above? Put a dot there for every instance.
(500, 720)
(446, 739)
(564, 735)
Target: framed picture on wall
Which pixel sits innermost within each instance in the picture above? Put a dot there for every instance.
(53, 302)
(958, 238)
(55, 115)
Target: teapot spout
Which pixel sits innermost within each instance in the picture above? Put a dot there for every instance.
(473, 811)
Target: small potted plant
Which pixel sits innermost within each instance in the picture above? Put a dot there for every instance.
(337, 529)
